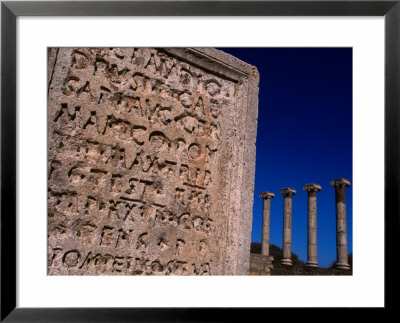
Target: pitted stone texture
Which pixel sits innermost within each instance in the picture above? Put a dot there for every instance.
(312, 190)
(266, 196)
(151, 161)
(288, 191)
(261, 264)
(340, 185)
(339, 182)
(287, 225)
(312, 187)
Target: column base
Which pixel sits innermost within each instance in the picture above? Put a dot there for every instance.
(312, 264)
(342, 266)
(287, 262)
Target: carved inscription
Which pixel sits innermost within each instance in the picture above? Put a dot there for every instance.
(135, 151)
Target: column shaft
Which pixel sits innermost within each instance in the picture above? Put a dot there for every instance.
(266, 226)
(287, 230)
(341, 228)
(312, 230)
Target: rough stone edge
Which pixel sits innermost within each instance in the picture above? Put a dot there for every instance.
(246, 75)
(227, 66)
(213, 61)
(51, 62)
(227, 59)
(249, 163)
(59, 73)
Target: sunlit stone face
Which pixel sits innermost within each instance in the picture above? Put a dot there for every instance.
(150, 162)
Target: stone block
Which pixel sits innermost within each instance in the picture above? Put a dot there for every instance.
(151, 160)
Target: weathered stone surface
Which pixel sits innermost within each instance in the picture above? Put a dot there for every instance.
(266, 196)
(312, 189)
(340, 185)
(150, 162)
(261, 264)
(287, 225)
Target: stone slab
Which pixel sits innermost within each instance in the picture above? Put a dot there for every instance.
(151, 160)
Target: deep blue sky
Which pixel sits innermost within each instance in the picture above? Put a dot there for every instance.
(304, 136)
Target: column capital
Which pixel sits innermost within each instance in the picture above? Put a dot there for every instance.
(312, 187)
(267, 195)
(340, 182)
(288, 191)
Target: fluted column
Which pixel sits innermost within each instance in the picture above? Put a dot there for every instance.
(312, 190)
(341, 227)
(266, 196)
(287, 225)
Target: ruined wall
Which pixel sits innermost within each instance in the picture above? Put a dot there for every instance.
(151, 156)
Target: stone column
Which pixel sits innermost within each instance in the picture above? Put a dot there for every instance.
(266, 196)
(287, 225)
(341, 228)
(312, 190)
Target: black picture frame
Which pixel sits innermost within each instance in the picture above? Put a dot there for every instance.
(10, 10)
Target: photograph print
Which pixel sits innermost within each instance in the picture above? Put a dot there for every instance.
(199, 161)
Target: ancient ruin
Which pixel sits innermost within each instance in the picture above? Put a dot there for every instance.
(341, 226)
(287, 225)
(262, 264)
(151, 160)
(312, 190)
(266, 196)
